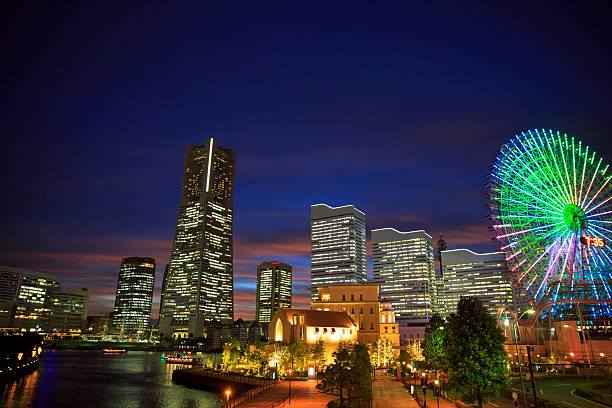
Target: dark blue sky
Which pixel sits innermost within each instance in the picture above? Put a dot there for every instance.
(397, 109)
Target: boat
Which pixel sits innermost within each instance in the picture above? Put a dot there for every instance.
(114, 351)
(184, 360)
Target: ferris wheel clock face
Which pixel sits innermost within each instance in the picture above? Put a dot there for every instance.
(551, 206)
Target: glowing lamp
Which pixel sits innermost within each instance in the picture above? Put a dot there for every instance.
(572, 354)
(602, 355)
(227, 394)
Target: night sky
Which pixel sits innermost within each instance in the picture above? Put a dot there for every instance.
(398, 110)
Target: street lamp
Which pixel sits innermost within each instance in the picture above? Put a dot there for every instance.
(290, 378)
(424, 385)
(518, 358)
(437, 391)
(227, 395)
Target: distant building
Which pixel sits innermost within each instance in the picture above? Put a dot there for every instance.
(134, 299)
(338, 246)
(163, 291)
(217, 334)
(254, 332)
(485, 276)
(69, 311)
(25, 298)
(403, 265)
(273, 289)
(310, 326)
(440, 279)
(199, 282)
(374, 319)
(240, 331)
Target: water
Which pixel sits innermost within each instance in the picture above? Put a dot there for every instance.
(83, 378)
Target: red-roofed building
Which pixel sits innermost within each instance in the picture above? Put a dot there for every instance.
(310, 326)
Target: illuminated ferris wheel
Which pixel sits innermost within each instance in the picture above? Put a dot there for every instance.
(551, 211)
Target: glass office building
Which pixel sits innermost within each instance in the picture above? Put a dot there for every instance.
(467, 273)
(199, 282)
(403, 266)
(273, 289)
(134, 298)
(338, 246)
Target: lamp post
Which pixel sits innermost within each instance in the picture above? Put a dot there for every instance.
(437, 391)
(518, 357)
(227, 395)
(424, 385)
(290, 378)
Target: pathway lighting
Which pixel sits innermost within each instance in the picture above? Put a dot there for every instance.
(227, 395)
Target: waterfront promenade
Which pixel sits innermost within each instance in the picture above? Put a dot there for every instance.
(303, 395)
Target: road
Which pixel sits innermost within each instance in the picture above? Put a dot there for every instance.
(561, 391)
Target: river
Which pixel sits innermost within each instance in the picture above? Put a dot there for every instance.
(83, 378)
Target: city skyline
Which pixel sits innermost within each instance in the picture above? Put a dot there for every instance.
(397, 111)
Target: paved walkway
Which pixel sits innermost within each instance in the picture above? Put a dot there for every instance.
(388, 392)
(303, 395)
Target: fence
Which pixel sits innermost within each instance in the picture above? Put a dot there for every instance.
(234, 402)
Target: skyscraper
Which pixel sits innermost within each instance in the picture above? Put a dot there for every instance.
(403, 264)
(25, 297)
(467, 273)
(132, 313)
(273, 289)
(69, 310)
(338, 246)
(200, 279)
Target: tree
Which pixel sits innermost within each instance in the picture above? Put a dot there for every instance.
(349, 376)
(296, 356)
(474, 349)
(257, 356)
(317, 353)
(231, 353)
(385, 352)
(433, 350)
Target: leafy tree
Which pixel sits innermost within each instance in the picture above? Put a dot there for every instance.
(257, 356)
(231, 353)
(349, 376)
(374, 353)
(296, 356)
(474, 350)
(433, 350)
(317, 353)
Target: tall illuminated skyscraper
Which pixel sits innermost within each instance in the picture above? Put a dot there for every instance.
(403, 265)
(338, 246)
(200, 278)
(273, 289)
(134, 298)
(485, 276)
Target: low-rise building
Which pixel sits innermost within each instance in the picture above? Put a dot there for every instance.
(374, 319)
(310, 326)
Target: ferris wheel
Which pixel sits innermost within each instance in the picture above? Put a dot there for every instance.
(551, 211)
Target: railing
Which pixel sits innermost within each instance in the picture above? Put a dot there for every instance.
(253, 392)
(238, 378)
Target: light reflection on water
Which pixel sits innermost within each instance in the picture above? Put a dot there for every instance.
(79, 378)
